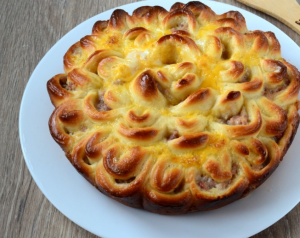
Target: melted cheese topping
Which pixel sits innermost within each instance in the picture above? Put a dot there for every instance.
(142, 54)
(139, 58)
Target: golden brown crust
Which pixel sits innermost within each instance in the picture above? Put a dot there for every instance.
(175, 111)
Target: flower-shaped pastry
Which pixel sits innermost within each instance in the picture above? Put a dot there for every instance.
(175, 111)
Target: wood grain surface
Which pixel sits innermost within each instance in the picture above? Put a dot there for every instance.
(288, 13)
(28, 29)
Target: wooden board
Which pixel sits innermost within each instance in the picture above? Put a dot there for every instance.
(286, 11)
(28, 30)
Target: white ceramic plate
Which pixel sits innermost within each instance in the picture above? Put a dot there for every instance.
(82, 203)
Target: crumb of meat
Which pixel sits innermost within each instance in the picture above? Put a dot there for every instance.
(245, 78)
(241, 119)
(181, 26)
(71, 86)
(269, 92)
(83, 128)
(257, 167)
(101, 105)
(68, 85)
(63, 82)
(173, 136)
(207, 183)
(234, 169)
(224, 185)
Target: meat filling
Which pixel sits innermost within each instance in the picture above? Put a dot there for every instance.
(180, 27)
(101, 105)
(245, 78)
(173, 136)
(257, 167)
(165, 92)
(241, 119)
(207, 183)
(269, 92)
(70, 86)
(83, 128)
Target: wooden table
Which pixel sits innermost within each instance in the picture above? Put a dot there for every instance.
(28, 29)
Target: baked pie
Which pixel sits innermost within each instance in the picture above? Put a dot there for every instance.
(175, 111)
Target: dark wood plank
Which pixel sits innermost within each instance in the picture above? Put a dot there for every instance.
(28, 30)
